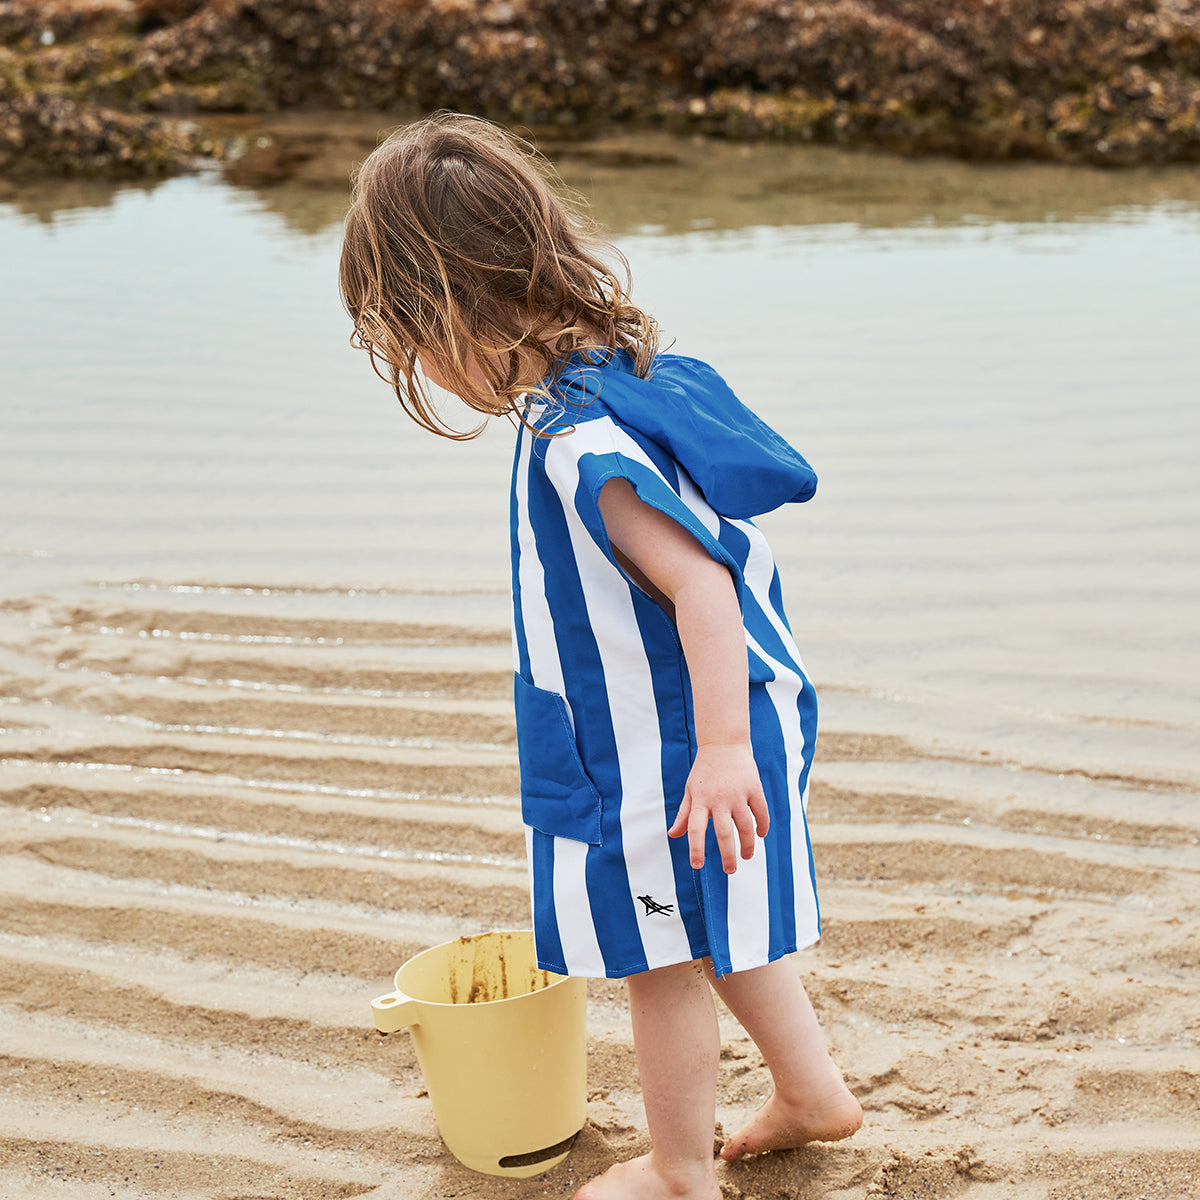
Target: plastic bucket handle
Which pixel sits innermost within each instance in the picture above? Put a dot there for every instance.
(395, 1011)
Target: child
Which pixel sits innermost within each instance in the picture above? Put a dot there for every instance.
(665, 725)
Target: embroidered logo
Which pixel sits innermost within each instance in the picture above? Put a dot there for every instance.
(653, 907)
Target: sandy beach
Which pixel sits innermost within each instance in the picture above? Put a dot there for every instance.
(229, 818)
(256, 740)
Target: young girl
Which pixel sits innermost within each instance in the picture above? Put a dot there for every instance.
(665, 724)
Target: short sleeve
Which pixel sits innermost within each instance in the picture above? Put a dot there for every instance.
(579, 463)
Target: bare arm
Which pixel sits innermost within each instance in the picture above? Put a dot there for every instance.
(723, 785)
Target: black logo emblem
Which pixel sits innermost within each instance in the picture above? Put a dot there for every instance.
(653, 907)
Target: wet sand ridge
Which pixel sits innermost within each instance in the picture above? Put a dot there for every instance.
(218, 847)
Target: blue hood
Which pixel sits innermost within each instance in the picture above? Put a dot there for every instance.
(742, 467)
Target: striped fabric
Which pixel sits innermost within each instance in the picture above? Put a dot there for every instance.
(604, 715)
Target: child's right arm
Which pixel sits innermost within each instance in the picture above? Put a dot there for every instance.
(723, 785)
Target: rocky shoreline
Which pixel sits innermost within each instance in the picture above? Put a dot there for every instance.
(129, 88)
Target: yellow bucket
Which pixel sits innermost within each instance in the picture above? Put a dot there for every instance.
(502, 1046)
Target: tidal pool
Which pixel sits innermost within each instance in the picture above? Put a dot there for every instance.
(993, 370)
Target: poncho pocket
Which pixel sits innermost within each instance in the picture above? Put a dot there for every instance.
(557, 797)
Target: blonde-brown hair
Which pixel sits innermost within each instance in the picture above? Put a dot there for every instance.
(459, 246)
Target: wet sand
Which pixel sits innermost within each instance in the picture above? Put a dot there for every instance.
(231, 813)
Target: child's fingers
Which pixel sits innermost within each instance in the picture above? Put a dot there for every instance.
(697, 828)
(744, 819)
(680, 825)
(728, 835)
(762, 815)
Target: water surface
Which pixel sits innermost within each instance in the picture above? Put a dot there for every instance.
(993, 370)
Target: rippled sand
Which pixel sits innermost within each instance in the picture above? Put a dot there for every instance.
(231, 813)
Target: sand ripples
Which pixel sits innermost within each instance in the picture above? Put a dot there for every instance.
(229, 815)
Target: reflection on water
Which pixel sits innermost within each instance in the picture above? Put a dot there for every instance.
(728, 186)
(644, 181)
(992, 368)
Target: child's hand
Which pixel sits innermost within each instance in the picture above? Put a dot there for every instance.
(698, 591)
(723, 786)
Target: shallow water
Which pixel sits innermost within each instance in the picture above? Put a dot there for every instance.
(992, 369)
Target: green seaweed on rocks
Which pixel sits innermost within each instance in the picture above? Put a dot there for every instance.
(1113, 82)
(43, 134)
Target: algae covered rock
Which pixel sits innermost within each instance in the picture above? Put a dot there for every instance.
(1102, 81)
(1106, 81)
(46, 135)
(46, 22)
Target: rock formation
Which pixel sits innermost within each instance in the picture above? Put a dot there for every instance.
(1103, 81)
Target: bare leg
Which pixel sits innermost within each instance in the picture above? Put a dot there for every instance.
(811, 1102)
(678, 1049)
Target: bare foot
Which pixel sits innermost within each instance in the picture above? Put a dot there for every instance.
(780, 1125)
(642, 1179)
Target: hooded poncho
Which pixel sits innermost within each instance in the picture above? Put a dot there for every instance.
(605, 729)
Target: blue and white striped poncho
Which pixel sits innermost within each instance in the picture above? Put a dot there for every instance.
(604, 712)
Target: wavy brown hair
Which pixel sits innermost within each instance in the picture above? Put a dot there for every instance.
(460, 246)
